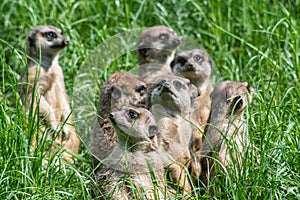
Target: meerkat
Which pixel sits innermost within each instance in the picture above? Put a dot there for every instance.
(121, 89)
(225, 136)
(155, 51)
(127, 167)
(170, 99)
(46, 82)
(196, 65)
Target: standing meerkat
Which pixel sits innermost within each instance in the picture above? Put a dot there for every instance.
(46, 81)
(225, 136)
(155, 51)
(121, 89)
(127, 168)
(170, 100)
(196, 65)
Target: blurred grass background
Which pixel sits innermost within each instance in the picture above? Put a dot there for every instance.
(254, 41)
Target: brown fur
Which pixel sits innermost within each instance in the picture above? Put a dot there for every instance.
(170, 100)
(196, 65)
(137, 148)
(229, 100)
(121, 89)
(43, 46)
(156, 46)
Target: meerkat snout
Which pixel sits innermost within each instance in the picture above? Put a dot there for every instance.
(111, 117)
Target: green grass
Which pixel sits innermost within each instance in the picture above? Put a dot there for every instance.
(254, 41)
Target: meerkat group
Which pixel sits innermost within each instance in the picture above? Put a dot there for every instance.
(167, 118)
(186, 108)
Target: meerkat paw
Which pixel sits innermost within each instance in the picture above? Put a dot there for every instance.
(60, 132)
(65, 135)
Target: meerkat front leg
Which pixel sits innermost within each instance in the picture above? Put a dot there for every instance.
(66, 119)
(47, 110)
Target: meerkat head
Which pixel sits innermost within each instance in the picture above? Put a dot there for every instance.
(156, 45)
(234, 96)
(121, 89)
(175, 94)
(45, 41)
(135, 127)
(192, 64)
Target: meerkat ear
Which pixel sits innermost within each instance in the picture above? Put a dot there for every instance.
(211, 62)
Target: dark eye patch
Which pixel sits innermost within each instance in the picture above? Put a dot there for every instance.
(181, 60)
(141, 89)
(50, 35)
(237, 104)
(133, 114)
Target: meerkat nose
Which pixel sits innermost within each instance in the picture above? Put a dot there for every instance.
(66, 42)
(178, 41)
(190, 66)
(111, 116)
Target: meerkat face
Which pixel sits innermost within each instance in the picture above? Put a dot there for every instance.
(192, 64)
(173, 93)
(155, 44)
(135, 125)
(127, 91)
(235, 96)
(47, 39)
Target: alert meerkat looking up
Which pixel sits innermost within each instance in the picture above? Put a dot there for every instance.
(170, 99)
(44, 44)
(196, 65)
(121, 89)
(155, 51)
(137, 148)
(225, 135)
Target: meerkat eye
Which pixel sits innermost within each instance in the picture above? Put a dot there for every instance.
(141, 89)
(198, 58)
(163, 36)
(237, 103)
(248, 88)
(132, 114)
(50, 35)
(178, 85)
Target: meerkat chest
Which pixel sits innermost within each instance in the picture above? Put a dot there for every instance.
(51, 82)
